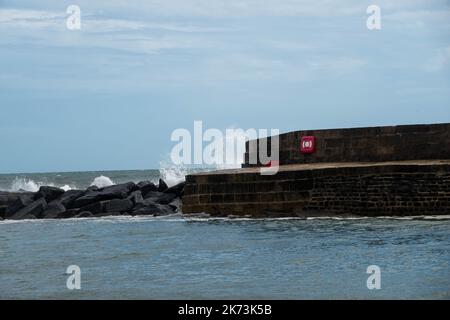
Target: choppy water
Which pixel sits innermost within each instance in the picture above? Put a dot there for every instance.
(82, 180)
(141, 258)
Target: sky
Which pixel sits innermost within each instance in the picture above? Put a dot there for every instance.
(109, 95)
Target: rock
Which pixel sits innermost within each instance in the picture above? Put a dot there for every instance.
(176, 189)
(107, 214)
(162, 185)
(118, 191)
(94, 208)
(8, 198)
(53, 210)
(70, 196)
(49, 193)
(31, 211)
(84, 214)
(160, 197)
(21, 202)
(175, 205)
(3, 210)
(136, 197)
(69, 214)
(118, 205)
(146, 186)
(152, 209)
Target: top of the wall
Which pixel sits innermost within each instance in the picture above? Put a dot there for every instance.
(388, 143)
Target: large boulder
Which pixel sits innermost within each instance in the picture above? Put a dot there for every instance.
(21, 202)
(71, 213)
(160, 197)
(118, 191)
(162, 185)
(70, 196)
(8, 198)
(93, 208)
(49, 193)
(31, 211)
(3, 210)
(136, 197)
(176, 205)
(146, 186)
(118, 205)
(53, 210)
(176, 189)
(154, 209)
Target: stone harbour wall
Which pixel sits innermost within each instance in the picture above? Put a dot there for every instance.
(378, 189)
(389, 143)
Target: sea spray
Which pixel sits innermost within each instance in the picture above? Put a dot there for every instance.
(102, 181)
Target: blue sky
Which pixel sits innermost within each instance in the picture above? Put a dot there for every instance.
(108, 96)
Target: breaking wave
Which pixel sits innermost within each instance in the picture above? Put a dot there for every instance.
(25, 184)
(102, 181)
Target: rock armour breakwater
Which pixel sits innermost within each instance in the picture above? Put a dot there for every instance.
(143, 198)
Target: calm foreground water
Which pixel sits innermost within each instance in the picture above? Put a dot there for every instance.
(174, 257)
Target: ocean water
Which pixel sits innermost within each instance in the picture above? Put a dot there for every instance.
(191, 258)
(180, 257)
(82, 180)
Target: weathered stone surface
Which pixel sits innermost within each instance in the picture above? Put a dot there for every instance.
(362, 189)
(176, 189)
(84, 214)
(162, 186)
(94, 208)
(118, 205)
(49, 193)
(20, 202)
(147, 186)
(175, 205)
(53, 209)
(118, 191)
(150, 208)
(159, 197)
(371, 144)
(8, 198)
(136, 197)
(31, 211)
(71, 213)
(70, 196)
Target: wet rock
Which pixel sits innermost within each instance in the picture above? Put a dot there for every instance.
(136, 197)
(53, 209)
(69, 214)
(154, 209)
(175, 205)
(162, 185)
(70, 196)
(49, 193)
(147, 186)
(21, 202)
(31, 211)
(3, 211)
(94, 208)
(107, 214)
(118, 205)
(84, 214)
(118, 191)
(176, 189)
(160, 197)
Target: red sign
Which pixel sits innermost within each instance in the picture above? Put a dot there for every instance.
(308, 144)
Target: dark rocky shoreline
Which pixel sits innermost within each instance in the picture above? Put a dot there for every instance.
(134, 199)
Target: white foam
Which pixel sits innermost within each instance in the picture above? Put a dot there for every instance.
(102, 181)
(173, 175)
(25, 184)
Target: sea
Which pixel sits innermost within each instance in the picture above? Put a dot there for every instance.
(198, 257)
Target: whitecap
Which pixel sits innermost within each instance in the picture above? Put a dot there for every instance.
(102, 181)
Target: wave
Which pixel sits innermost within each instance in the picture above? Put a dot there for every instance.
(102, 181)
(173, 175)
(25, 184)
